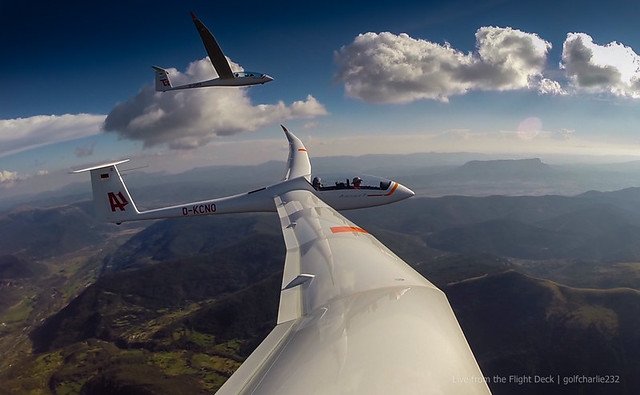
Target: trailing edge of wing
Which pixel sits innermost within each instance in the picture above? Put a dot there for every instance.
(214, 51)
(298, 164)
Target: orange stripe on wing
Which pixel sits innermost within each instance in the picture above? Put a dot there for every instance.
(302, 149)
(347, 229)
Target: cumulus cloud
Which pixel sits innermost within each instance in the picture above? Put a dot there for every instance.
(20, 134)
(550, 87)
(8, 178)
(613, 68)
(190, 118)
(389, 68)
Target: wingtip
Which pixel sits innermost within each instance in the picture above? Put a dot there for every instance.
(284, 129)
(193, 15)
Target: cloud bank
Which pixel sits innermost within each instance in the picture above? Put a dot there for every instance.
(190, 118)
(389, 68)
(21, 134)
(613, 68)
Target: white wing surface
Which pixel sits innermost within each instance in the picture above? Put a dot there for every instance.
(216, 56)
(354, 318)
(298, 164)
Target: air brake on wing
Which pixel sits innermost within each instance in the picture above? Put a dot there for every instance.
(300, 280)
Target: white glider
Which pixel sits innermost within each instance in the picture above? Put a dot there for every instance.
(353, 317)
(225, 76)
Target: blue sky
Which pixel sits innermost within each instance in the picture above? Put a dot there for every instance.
(74, 58)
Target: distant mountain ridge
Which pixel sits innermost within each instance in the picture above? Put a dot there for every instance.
(430, 174)
(532, 166)
(502, 171)
(593, 226)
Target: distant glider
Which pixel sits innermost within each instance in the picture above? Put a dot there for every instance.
(226, 77)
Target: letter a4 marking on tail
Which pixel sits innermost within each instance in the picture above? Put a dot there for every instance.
(117, 201)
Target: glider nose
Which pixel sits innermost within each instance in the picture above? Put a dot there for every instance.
(405, 192)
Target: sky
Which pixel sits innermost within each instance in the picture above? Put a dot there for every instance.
(351, 78)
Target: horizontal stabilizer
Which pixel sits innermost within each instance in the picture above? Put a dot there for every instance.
(101, 166)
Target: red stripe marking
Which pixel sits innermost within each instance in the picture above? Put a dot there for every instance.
(302, 149)
(347, 229)
(395, 186)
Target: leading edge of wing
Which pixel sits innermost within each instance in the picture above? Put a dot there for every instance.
(214, 51)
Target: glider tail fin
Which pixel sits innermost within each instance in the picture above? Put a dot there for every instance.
(163, 83)
(110, 196)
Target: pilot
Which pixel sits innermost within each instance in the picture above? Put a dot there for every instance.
(357, 181)
(317, 183)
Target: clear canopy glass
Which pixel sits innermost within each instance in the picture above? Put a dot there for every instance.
(330, 182)
(241, 74)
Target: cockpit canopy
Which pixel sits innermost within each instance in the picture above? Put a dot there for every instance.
(241, 74)
(331, 182)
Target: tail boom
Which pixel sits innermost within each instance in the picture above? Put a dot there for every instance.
(113, 202)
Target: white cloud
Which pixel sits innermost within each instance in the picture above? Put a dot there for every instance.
(11, 178)
(550, 87)
(191, 118)
(21, 134)
(613, 68)
(7, 178)
(389, 68)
